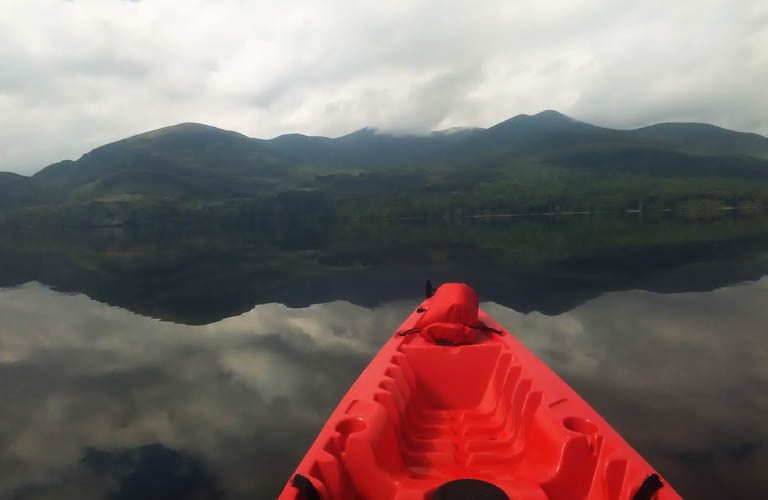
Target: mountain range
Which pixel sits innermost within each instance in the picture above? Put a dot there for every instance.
(527, 162)
(539, 133)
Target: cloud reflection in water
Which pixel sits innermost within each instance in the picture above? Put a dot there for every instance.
(682, 376)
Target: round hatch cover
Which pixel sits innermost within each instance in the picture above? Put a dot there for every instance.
(469, 489)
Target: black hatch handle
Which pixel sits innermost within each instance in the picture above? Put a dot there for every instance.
(650, 486)
(306, 489)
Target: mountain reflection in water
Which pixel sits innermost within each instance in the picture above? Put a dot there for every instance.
(200, 275)
(99, 402)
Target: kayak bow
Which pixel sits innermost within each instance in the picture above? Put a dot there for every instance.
(453, 407)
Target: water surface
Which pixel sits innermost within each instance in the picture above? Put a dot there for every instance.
(202, 365)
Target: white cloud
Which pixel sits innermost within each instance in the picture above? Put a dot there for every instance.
(77, 74)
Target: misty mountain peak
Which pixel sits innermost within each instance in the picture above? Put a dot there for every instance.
(552, 115)
(543, 122)
(365, 131)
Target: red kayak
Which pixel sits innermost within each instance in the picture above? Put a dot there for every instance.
(453, 407)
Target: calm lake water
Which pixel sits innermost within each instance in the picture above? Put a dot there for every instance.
(188, 363)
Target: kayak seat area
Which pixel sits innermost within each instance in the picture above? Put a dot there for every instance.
(465, 401)
(446, 412)
(440, 413)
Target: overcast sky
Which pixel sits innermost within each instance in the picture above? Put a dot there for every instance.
(77, 74)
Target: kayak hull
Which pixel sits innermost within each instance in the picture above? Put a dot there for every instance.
(422, 415)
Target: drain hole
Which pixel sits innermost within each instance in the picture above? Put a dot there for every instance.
(578, 424)
(351, 425)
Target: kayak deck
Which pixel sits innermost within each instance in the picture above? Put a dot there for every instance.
(423, 414)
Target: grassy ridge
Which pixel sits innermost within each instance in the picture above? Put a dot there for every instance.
(527, 164)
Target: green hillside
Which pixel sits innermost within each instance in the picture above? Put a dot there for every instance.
(542, 163)
(706, 139)
(14, 189)
(187, 160)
